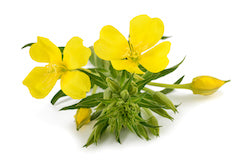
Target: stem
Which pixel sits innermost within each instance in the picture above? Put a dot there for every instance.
(179, 86)
(94, 89)
(148, 90)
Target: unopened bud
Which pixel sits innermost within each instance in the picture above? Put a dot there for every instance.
(133, 90)
(113, 85)
(82, 117)
(163, 99)
(124, 94)
(206, 85)
(153, 121)
(107, 94)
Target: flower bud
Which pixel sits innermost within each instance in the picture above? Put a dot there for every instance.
(82, 117)
(153, 121)
(206, 85)
(107, 94)
(163, 99)
(113, 85)
(133, 90)
(124, 94)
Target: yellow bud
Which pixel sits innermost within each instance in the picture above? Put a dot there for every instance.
(82, 117)
(206, 85)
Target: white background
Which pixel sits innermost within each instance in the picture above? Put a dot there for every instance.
(206, 32)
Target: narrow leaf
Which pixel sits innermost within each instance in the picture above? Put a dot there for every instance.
(165, 37)
(95, 79)
(148, 76)
(88, 102)
(27, 45)
(58, 95)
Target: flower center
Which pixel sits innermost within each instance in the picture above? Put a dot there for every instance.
(56, 68)
(133, 55)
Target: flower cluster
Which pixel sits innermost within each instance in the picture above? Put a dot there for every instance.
(122, 69)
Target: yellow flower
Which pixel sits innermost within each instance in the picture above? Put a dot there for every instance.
(82, 117)
(206, 85)
(41, 80)
(125, 54)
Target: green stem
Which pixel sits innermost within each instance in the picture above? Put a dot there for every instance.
(148, 90)
(179, 86)
(94, 89)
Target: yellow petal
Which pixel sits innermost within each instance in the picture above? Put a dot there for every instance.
(40, 81)
(145, 32)
(75, 84)
(206, 85)
(45, 51)
(156, 59)
(82, 117)
(112, 45)
(128, 65)
(75, 55)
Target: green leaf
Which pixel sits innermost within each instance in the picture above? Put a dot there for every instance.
(165, 37)
(128, 82)
(138, 98)
(148, 104)
(88, 102)
(27, 45)
(148, 76)
(95, 79)
(61, 49)
(58, 95)
(113, 72)
(123, 75)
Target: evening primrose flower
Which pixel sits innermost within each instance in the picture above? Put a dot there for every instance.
(125, 54)
(206, 85)
(41, 80)
(82, 117)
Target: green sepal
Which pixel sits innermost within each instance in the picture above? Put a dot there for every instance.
(148, 76)
(169, 90)
(88, 102)
(58, 95)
